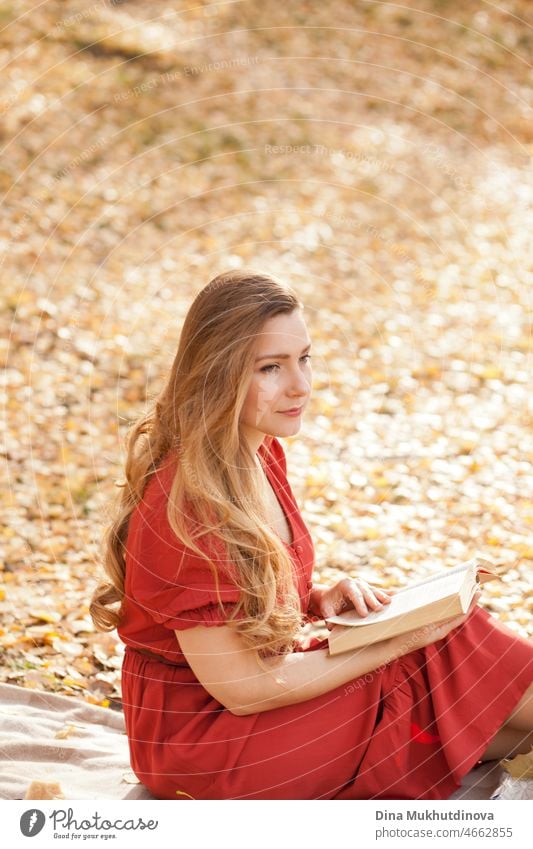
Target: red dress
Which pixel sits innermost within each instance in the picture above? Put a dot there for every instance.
(410, 730)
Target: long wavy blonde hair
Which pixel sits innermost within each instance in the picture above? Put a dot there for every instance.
(197, 412)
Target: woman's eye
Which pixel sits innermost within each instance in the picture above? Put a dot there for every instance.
(275, 365)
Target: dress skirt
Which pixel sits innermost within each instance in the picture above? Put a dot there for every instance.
(411, 729)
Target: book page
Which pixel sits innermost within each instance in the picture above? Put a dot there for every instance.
(462, 567)
(409, 598)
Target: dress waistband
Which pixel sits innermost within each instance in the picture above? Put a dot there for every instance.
(158, 657)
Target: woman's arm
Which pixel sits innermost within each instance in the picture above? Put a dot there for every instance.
(230, 671)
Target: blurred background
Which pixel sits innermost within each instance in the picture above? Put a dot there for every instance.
(375, 156)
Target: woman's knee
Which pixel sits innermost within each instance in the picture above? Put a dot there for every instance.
(507, 743)
(521, 717)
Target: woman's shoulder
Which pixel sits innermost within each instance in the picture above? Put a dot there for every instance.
(149, 512)
(149, 517)
(156, 493)
(160, 481)
(152, 538)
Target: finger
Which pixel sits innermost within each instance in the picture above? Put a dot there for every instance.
(363, 596)
(383, 595)
(371, 598)
(355, 595)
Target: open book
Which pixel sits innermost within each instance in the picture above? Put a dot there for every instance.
(431, 601)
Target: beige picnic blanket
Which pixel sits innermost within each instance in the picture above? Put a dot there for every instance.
(84, 748)
(89, 759)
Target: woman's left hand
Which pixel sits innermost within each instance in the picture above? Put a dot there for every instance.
(353, 593)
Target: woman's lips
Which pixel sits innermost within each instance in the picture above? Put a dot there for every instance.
(294, 412)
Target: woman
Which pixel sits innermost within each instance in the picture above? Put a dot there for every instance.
(211, 563)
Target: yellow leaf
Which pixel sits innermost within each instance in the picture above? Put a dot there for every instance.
(44, 790)
(520, 767)
(524, 550)
(491, 373)
(65, 732)
(74, 682)
(46, 615)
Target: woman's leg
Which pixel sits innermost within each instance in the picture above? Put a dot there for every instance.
(507, 743)
(522, 716)
(515, 737)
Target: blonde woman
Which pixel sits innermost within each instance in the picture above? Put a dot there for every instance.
(209, 566)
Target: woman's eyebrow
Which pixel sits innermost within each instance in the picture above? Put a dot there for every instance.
(279, 356)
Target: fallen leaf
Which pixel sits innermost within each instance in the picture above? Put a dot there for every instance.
(44, 790)
(67, 731)
(519, 767)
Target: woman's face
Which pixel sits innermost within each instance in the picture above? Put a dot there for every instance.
(281, 379)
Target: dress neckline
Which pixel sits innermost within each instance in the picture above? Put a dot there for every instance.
(266, 465)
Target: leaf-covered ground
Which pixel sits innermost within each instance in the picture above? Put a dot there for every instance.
(374, 155)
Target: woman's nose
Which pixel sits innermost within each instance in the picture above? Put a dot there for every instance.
(300, 386)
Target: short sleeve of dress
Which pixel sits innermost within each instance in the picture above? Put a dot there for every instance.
(173, 584)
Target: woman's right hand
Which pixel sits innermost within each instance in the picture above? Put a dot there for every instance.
(405, 643)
